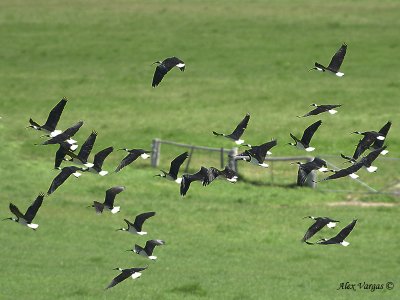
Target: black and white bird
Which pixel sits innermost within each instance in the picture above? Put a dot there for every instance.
(319, 223)
(126, 273)
(164, 67)
(256, 154)
(308, 167)
(226, 174)
(81, 158)
(63, 149)
(131, 157)
(147, 251)
(339, 238)
(136, 226)
(98, 161)
(202, 175)
(322, 108)
(109, 201)
(369, 159)
(304, 143)
(238, 132)
(174, 168)
(65, 136)
(52, 120)
(369, 138)
(335, 63)
(379, 142)
(365, 161)
(62, 176)
(27, 218)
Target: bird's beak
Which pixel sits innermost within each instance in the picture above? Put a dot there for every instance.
(6, 219)
(306, 217)
(129, 250)
(118, 230)
(89, 206)
(314, 68)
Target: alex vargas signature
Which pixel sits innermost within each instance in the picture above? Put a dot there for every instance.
(365, 286)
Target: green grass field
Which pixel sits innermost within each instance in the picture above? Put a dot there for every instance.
(225, 241)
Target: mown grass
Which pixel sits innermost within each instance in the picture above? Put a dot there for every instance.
(224, 241)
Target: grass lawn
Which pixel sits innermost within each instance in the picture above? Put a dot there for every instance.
(224, 241)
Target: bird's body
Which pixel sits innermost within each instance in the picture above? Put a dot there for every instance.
(126, 273)
(136, 226)
(65, 136)
(132, 156)
(304, 142)
(27, 218)
(164, 67)
(369, 138)
(63, 176)
(379, 142)
(335, 63)
(238, 132)
(98, 161)
(306, 169)
(339, 238)
(174, 168)
(52, 120)
(109, 201)
(368, 160)
(202, 175)
(322, 108)
(147, 251)
(256, 154)
(319, 223)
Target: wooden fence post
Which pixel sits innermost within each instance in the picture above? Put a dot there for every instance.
(232, 162)
(155, 152)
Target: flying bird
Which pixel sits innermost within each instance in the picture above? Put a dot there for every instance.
(63, 149)
(322, 108)
(108, 201)
(27, 218)
(52, 120)
(164, 67)
(369, 159)
(65, 135)
(304, 143)
(131, 157)
(306, 169)
(238, 132)
(256, 155)
(136, 226)
(126, 273)
(62, 176)
(319, 223)
(99, 160)
(339, 238)
(369, 138)
(335, 63)
(147, 251)
(174, 168)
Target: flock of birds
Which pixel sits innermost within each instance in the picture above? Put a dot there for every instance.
(254, 154)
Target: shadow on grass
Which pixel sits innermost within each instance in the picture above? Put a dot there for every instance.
(190, 289)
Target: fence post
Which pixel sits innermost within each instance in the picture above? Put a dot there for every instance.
(189, 159)
(232, 162)
(222, 158)
(155, 152)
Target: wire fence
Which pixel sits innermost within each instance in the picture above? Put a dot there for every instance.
(281, 171)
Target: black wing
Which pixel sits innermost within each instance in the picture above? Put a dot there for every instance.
(121, 277)
(54, 115)
(337, 59)
(101, 156)
(171, 62)
(111, 193)
(318, 162)
(315, 111)
(384, 131)
(347, 171)
(259, 152)
(363, 145)
(159, 74)
(302, 174)
(16, 211)
(87, 147)
(314, 228)
(62, 151)
(32, 210)
(139, 220)
(150, 244)
(309, 132)
(201, 175)
(372, 156)
(61, 177)
(65, 134)
(176, 164)
(344, 232)
(131, 157)
(240, 128)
